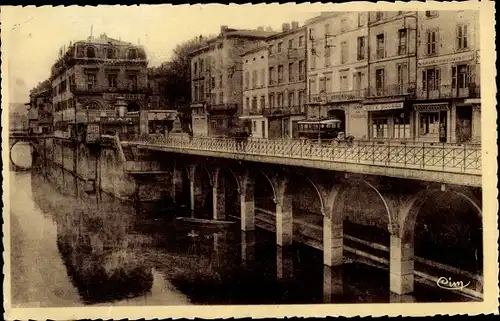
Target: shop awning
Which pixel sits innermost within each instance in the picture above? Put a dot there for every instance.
(431, 106)
(384, 106)
(322, 122)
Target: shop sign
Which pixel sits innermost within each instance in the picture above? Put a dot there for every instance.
(448, 59)
(385, 106)
(113, 96)
(93, 132)
(431, 107)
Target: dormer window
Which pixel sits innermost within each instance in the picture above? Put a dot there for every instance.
(90, 52)
(132, 54)
(110, 53)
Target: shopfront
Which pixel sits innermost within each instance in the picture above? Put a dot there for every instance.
(432, 122)
(468, 121)
(389, 121)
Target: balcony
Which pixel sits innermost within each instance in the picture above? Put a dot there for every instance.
(284, 111)
(252, 112)
(350, 95)
(222, 108)
(447, 91)
(393, 90)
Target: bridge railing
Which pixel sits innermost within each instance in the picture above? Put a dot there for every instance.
(446, 157)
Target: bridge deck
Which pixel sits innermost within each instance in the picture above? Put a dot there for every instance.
(446, 163)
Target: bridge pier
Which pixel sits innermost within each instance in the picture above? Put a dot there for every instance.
(284, 262)
(247, 203)
(247, 248)
(401, 266)
(333, 283)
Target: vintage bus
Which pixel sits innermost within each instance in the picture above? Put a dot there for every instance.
(326, 129)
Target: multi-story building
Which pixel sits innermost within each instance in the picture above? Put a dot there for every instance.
(392, 70)
(40, 114)
(216, 80)
(448, 106)
(337, 70)
(286, 81)
(255, 90)
(91, 77)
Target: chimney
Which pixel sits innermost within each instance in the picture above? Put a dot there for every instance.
(269, 29)
(295, 24)
(223, 29)
(260, 28)
(286, 26)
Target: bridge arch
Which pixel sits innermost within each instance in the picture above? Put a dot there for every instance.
(33, 151)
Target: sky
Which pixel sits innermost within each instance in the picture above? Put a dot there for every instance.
(33, 36)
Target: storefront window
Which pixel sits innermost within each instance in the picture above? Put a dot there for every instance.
(402, 126)
(429, 124)
(380, 127)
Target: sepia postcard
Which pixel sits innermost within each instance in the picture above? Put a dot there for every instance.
(257, 160)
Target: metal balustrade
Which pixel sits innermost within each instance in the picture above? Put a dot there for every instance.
(443, 157)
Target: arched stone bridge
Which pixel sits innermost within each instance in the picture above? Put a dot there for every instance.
(208, 175)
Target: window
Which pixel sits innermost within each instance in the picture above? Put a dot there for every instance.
(90, 52)
(361, 19)
(221, 98)
(247, 79)
(280, 100)
(312, 34)
(301, 41)
(343, 25)
(262, 102)
(202, 92)
(290, 44)
(112, 80)
(280, 45)
(379, 15)
(379, 81)
(271, 75)
(213, 98)
(202, 65)
(343, 52)
(322, 84)
(195, 67)
(254, 79)
(220, 80)
(359, 80)
(212, 82)
(254, 104)
(380, 127)
(313, 57)
(402, 42)
(462, 37)
(431, 42)
(195, 93)
(291, 99)
(263, 128)
(132, 54)
(254, 123)
(271, 100)
(401, 126)
(402, 74)
(280, 74)
(302, 98)
(271, 49)
(312, 86)
(301, 70)
(328, 83)
(328, 54)
(290, 72)
(343, 81)
(263, 77)
(110, 53)
(459, 76)
(91, 81)
(380, 46)
(431, 79)
(430, 14)
(361, 48)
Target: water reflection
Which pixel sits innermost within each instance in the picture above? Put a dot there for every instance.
(112, 253)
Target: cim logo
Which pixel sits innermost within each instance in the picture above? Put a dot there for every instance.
(449, 284)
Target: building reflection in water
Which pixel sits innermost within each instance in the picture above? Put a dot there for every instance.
(94, 242)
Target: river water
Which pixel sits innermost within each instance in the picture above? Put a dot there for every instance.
(96, 250)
